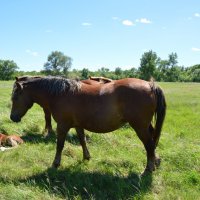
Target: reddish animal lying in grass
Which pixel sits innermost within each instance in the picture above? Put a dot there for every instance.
(10, 140)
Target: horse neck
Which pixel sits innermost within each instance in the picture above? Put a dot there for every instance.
(40, 96)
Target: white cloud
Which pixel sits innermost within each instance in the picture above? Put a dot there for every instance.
(86, 24)
(144, 21)
(32, 53)
(127, 22)
(197, 14)
(195, 49)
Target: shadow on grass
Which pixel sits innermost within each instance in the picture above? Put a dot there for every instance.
(73, 138)
(73, 181)
(36, 137)
(32, 137)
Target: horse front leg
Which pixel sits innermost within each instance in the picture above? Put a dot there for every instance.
(61, 136)
(48, 127)
(82, 139)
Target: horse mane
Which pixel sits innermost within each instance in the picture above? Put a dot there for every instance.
(54, 85)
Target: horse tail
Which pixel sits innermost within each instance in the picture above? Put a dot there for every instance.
(159, 113)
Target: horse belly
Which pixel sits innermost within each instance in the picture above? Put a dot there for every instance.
(103, 124)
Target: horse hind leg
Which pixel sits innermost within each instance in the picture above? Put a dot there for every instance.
(48, 127)
(153, 133)
(145, 136)
(82, 139)
(155, 139)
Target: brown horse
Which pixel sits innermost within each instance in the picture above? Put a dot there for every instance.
(47, 112)
(92, 80)
(98, 108)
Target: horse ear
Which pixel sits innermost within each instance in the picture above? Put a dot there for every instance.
(16, 78)
(19, 86)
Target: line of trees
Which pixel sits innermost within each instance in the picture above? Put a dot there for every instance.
(150, 66)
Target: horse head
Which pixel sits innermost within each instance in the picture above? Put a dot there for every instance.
(21, 100)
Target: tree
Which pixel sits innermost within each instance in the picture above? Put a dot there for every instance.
(57, 63)
(118, 71)
(161, 72)
(148, 64)
(168, 70)
(173, 59)
(103, 71)
(194, 73)
(173, 74)
(84, 73)
(130, 73)
(7, 69)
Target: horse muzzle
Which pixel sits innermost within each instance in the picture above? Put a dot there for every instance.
(15, 118)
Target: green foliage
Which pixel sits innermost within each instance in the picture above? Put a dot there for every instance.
(103, 71)
(193, 73)
(148, 64)
(196, 75)
(85, 73)
(168, 70)
(29, 73)
(118, 71)
(173, 59)
(151, 65)
(7, 69)
(131, 73)
(57, 64)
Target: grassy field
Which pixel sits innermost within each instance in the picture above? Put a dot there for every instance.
(118, 158)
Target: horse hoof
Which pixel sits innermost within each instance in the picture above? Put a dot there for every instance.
(157, 162)
(86, 158)
(86, 155)
(46, 136)
(48, 133)
(55, 165)
(146, 172)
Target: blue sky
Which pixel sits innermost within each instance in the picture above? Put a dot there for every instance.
(95, 34)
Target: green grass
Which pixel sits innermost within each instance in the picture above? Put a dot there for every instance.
(118, 158)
